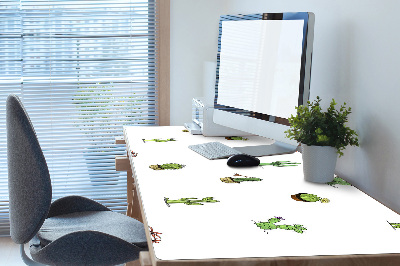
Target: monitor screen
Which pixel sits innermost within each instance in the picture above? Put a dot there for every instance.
(260, 65)
(263, 71)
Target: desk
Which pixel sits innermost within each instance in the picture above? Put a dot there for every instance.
(206, 213)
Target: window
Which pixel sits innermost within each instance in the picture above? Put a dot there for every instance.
(83, 69)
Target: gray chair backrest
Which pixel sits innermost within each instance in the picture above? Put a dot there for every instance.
(29, 183)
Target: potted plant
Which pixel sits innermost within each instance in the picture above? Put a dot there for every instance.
(101, 109)
(323, 136)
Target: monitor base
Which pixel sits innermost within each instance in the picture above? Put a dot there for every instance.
(275, 148)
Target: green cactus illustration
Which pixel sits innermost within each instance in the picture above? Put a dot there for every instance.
(307, 197)
(236, 179)
(281, 163)
(338, 181)
(190, 201)
(270, 225)
(166, 166)
(395, 225)
(236, 138)
(159, 140)
(310, 197)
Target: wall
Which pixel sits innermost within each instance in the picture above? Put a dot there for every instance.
(355, 60)
(194, 41)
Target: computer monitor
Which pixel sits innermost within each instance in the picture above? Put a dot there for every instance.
(263, 72)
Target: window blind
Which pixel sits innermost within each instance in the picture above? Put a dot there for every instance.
(83, 69)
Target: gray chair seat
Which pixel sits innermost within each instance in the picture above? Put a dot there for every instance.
(107, 222)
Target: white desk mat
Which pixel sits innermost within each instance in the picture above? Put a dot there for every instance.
(268, 216)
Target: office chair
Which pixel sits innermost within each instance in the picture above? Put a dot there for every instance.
(72, 230)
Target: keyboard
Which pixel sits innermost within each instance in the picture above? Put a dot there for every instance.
(214, 150)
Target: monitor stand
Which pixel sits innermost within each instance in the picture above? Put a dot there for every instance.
(275, 148)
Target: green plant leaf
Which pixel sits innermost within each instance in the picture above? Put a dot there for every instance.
(312, 126)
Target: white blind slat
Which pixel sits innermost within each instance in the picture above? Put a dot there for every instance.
(83, 69)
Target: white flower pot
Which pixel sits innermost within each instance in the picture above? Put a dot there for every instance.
(319, 163)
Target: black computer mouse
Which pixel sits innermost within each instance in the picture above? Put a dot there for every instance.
(239, 160)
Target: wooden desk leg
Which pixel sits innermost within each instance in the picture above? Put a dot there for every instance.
(144, 260)
(133, 209)
(133, 263)
(132, 197)
(136, 213)
(129, 193)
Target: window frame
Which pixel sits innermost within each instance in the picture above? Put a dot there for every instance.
(163, 36)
